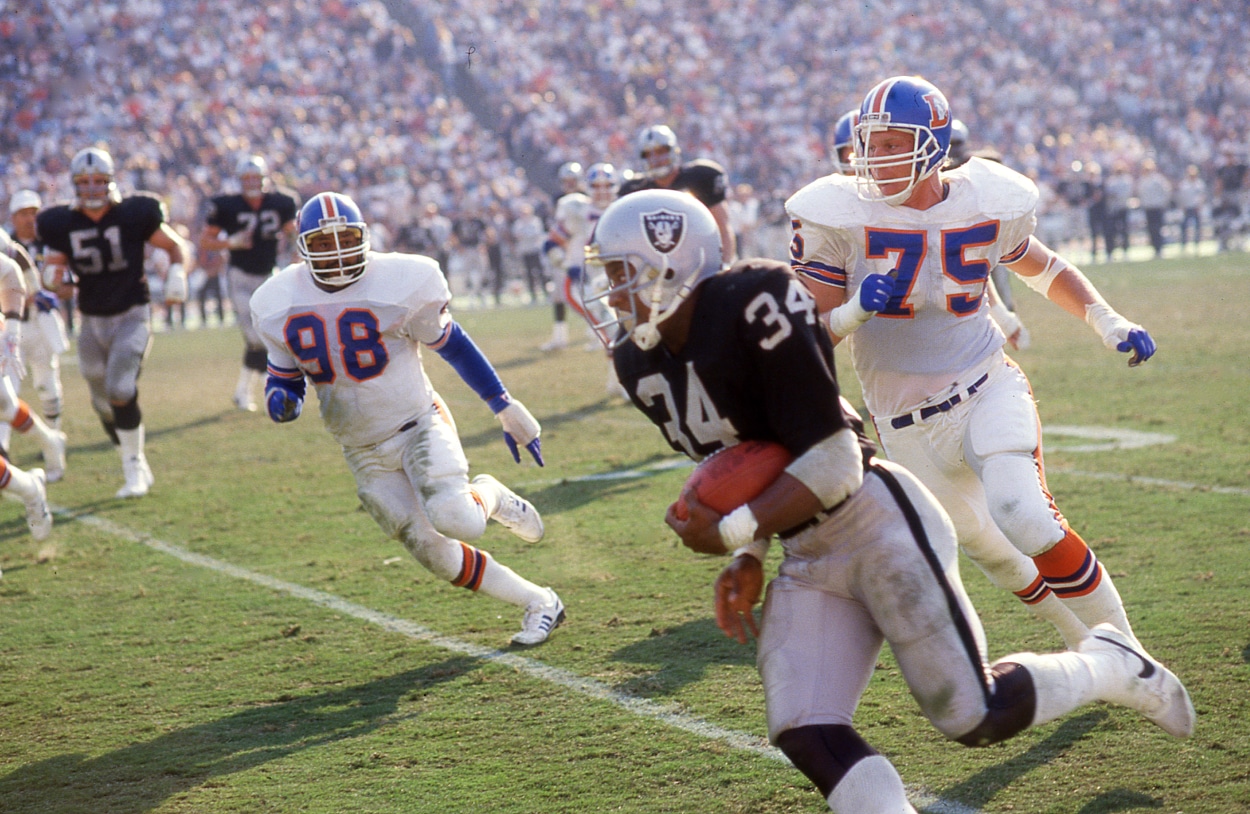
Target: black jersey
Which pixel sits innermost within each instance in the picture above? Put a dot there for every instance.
(757, 365)
(105, 257)
(704, 179)
(233, 214)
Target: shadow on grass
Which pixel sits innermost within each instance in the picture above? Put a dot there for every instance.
(681, 656)
(140, 777)
(979, 789)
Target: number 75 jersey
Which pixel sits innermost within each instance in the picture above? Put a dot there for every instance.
(937, 324)
(358, 345)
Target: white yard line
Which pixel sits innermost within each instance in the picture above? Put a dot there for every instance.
(667, 714)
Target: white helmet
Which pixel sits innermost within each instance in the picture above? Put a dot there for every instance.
(603, 182)
(659, 150)
(92, 162)
(669, 243)
(252, 172)
(24, 199)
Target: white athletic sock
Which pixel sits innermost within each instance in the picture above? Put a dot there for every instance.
(1052, 609)
(502, 583)
(242, 387)
(872, 786)
(1103, 604)
(21, 483)
(1062, 681)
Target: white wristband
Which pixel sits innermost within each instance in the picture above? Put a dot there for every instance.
(1109, 325)
(756, 548)
(738, 528)
(848, 316)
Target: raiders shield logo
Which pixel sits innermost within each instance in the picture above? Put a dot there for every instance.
(664, 229)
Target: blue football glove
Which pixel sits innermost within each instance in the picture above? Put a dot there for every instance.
(875, 291)
(1140, 343)
(283, 405)
(46, 302)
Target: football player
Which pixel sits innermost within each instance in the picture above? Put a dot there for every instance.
(28, 487)
(843, 142)
(352, 322)
(947, 403)
(99, 241)
(44, 338)
(714, 357)
(251, 225)
(569, 216)
(703, 178)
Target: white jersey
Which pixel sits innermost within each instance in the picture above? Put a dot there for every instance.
(359, 345)
(938, 329)
(576, 216)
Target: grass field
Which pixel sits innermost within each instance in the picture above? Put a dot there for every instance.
(245, 640)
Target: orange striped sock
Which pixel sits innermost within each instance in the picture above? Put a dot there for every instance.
(473, 568)
(22, 422)
(1070, 567)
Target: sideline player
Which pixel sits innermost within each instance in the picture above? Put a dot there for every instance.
(250, 225)
(903, 281)
(570, 206)
(100, 240)
(30, 488)
(44, 335)
(352, 321)
(717, 357)
(703, 178)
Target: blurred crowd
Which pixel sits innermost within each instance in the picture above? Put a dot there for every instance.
(462, 109)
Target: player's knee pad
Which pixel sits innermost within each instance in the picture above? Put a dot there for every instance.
(128, 416)
(1010, 708)
(824, 752)
(256, 358)
(1019, 504)
(454, 510)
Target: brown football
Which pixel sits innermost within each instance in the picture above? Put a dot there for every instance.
(735, 475)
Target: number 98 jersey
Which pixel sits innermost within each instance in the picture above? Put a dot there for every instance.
(757, 365)
(358, 345)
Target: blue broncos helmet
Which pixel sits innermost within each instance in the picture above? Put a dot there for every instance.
(902, 103)
(333, 214)
(844, 139)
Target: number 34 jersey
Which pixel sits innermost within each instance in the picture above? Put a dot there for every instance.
(358, 345)
(756, 366)
(936, 325)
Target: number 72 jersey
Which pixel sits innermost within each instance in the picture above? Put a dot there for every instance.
(358, 345)
(937, 324)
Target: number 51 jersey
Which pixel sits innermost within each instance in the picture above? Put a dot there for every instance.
(358, 345)
(937, 323)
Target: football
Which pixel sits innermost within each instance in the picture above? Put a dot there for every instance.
(735, 475)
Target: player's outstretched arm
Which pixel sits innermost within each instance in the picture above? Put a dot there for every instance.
(1063, 284)
(520, 428)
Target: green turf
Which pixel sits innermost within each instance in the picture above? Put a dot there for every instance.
(132, 681)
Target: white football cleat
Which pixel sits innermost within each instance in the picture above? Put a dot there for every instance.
(38, 516)
(139, 478)
(245, 404)
(54, 456)
(540, 619)
(1148, 687)
(553, 344)
(515, 513)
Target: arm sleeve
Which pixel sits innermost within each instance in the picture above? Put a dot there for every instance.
(464, 356)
